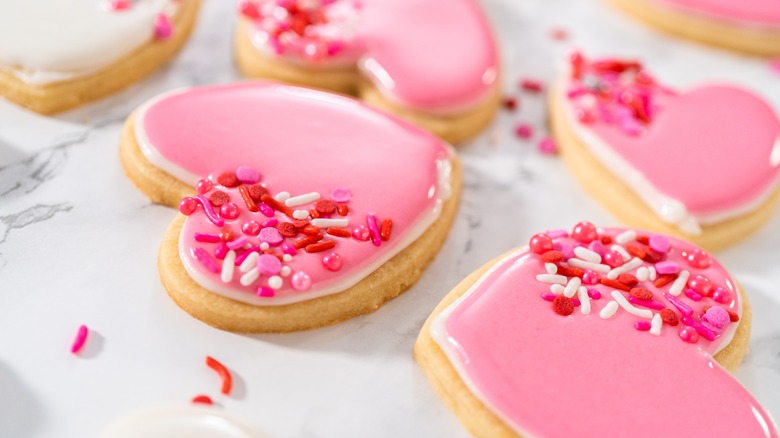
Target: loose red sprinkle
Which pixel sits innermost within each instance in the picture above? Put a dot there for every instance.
(257, 191)
(641, 293)
(326, 206)
(644, 240)
(229, 179)
(306, 241)
(559, 34)
(204, 399)
(570, 272)
(276, 205)
(636, 251)
(562, 305)
(733, 316)
(311, 230)
(606, 240)
(628, 279)
(218, 198)
(343, 209)
(227, 379)
(247, 197)
(510, 103)
(552, 256)
(669, 317)
(615, 284)
(287, 229)
(524, 131)
(321, 246)
(338, 232)
(387, 228)
(664, 280)
(531, 85)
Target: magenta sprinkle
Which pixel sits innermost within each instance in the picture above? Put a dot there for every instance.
(716, 319)
(700, 329)
(162, 27)
(590, 277)
(667, 268)
(238, 243)
(690, 293)
(81, 338)
(547, 146)
(566, 248)
(524, 131)
(682, 307)
(576, 302)
(210, 214)
(660, 244)
(266, 210)
(289, 249)
(650, 304)
(206, 260)
(221, 251)
(265, 292)
(532, 85)
(241, 257)
(642, 326)
(247, 175)
(270, 223)
(373, 229)
(548, 296)
(208, 238)
(721, 295)
(688, 334)
(594, 294)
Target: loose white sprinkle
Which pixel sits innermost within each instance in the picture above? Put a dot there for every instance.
(285, 271)
(282, 196)
(582, 264)
(642, 313)
(249, 262)
(557, 289)
(587, 255)
(655, 324)
(642, 273)
(550, 278)
(651, 274)
(551, 268)
(228, 266)
(584, 300)
(625, 268)
(264, 246)
(627, 236)
(301, 214)
(250, 276)
(301, 199)
(679, 283)
(275, 282)
(287, 257)
(620, 250)
(609, 310)
(327, 223)
(572, 286)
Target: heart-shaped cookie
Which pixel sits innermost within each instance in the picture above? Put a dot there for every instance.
(684, 163)
(433, 62)
(598, 332)
(310, 208)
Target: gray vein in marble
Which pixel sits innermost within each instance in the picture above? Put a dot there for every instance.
(33, 215)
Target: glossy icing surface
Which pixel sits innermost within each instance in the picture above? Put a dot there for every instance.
(56, 40)
(550, 375)
(301, 141)
(432, 54)
(757, 11)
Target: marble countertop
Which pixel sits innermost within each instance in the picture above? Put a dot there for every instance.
(78, 245)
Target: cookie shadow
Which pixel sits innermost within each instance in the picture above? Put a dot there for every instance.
(21, 414)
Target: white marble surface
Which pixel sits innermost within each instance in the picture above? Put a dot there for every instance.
(78, 245)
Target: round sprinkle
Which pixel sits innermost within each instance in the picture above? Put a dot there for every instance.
(590, 277)
(300, 281)
(188, 205)
(688, 334)
(701, 285)
(641, 293)
(228, 179)
(340, 194)
(271, 236)
(250, 228)
(247, 175)
(540, 243)
(594, 294)
(361, 233)
(716, 318)
(287, 229)
(659, 243)
(229, 211)
(226, 235)
(275, 282)
(204, 186)
(326, 206)
(699, 259)
(563, 305)
(269, 265)
(332, 261)
(552, 256)
(218, 198)
(585, 232)
(721, 295)
(669, 317)
(257, 191)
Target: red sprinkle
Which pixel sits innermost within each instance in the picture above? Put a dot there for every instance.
(559, 34)
(204, 399)
(311, 230)
(510, 103)
(276, 205)
(219, 198)
(570, 272)
(226, 235)
(229, 179)
(531, 85)
(257, 191)
(606, 240)
(306, 241)
(314, 213)
(287, 229)
(247, 197)
(326, 206)
(644, 240)
(615, 284)
(562, 305)
(664, 280)
(387, 228)
(552, 256)
(299, 224)
(227, 379)
(338, 232)
(636, 251)
(321, 246)
(669, 317)
(641, 293)
(343, 209)
(628, 279)
(733, 316)
(653, 256)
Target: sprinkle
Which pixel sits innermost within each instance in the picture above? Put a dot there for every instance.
(271, 236)
(247, 197)
(774, 66)
(628, 279)
(582, 264)
(582, 294)
(642, 326)
(641, 293)
(250, 276)
(327, 223)
(311, 230)
(207, 238)
(510, 103)
(547, 296)
(301, 214)
(716, 318)
(332, 261)
(659, 243)
(265, 292)
(275, 282)
(669, 317)
(221, 251)
(651, 273)
(594, 294)
(268, 264)
(228, 179)
(277, 205)
(386, 229)
(625, 237)
(642, 273)
(285, 271)
(550, 268)
(563, 305)
(257, 191)
(373, 228)
(587, 255)
(692, 294)
(238, 243)
(289, 250)
(266, 210)
(549, 278)
(306, 241)
(664, 280)
(667, 268)
(162, 27)
(688, 334)
(307, 198)
(620, 250)
(224, 374)
(700, 329)
(557, 289)
(343, 209)
(614, 284)
(340, 195)
(552, 256)
(609, 310)
(650, 304)
(81, 338)
(338, 232)
(202, 256)
(524, 131)
(570, 272)
(642, 313)
(210, 214)
(531, 85)
(228, 266)
(547, 146)
(320, 246)
(572, 287)
(655, 325)
(219, 198)
(682, 307)
(679, 283)
(202, 399)
(624, 268)
(249, 262)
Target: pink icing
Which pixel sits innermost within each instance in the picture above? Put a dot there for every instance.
(300, 141)
(581, 375)
(758, 11)
(431, 54)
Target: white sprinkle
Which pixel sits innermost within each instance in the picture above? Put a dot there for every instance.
(287, 257)
(282, 196)
(275, 282)
(655, 324)
(584, 300)
(301, 214)
(301, 199)
(642, 313)
(572, 287)
(264, 246)
(627, 236)
(249, 262)
(625, 268)
(587, 255)
(550, 278)
(327, 223)
(551, 268)
(679, 283)
(250, 276)
(609, 310)
(285, 271)
(582, 264)
(228, 266)
(642, 273)
(557, 289)
(620, 250)
(651, 274)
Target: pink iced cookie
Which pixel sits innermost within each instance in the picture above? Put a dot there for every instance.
(689, 163)
(529, 347)
(284, 186)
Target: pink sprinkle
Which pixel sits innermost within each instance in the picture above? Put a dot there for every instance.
(660, 244)
(265, 292)
(597, 247)
(721, 295)
(667, 268)
(241, 257)
(340, 194)
(332, 261)
(650, 304)
(373, 229)
(576, 302)
(566, 248)
(690, 293)
(221, 251)
(247, 175)
(774, 65)
(524, 131)
(547, 146)
(289, 249)
(162, 27)
(682, 307)
(271, 236)
(559, 34)
(642, 326)
(81, 338)
(204, 186)
(266, 210)
(120, 5)
(594, 294)
(269, 265)
(202, 256)
(361, 233)
(237, 243)
(548, 296)
(300, 281)
(555, 234)
(208, 238)
(531, 85)
(590, 277)
(270, 223)
(688, 334)
(700, 329)
(210, 214)
(716, 318)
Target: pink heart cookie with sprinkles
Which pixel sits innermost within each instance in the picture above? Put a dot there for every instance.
(682, 163)
(597, 332)
(307, 208)
(433, 62)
